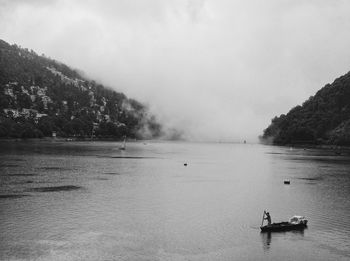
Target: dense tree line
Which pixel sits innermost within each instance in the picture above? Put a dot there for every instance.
(322, 119)
(68, 104)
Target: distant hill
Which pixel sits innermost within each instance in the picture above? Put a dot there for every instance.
(41, 97)
(322, 119)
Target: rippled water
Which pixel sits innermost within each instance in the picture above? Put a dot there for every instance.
(92, 201)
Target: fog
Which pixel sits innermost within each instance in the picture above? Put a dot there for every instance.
(216, 70)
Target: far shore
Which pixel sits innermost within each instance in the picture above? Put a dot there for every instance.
(336, 148)
(62, 139)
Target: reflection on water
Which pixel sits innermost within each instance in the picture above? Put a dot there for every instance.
(267, 237)
(12, 196)
(92, 201)
(55, 188)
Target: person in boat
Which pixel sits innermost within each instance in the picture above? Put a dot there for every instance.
(268, 218)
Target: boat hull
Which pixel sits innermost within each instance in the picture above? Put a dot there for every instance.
(283, 226)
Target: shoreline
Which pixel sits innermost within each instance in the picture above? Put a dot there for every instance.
(61, 139)
(335, 148)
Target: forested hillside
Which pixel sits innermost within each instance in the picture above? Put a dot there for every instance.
(322, 119)
(42, 97)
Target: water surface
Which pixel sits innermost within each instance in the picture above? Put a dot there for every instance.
(92, 201)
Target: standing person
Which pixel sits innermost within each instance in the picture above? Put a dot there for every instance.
(268, 218)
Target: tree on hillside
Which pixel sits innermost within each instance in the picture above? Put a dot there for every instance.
(320, 119)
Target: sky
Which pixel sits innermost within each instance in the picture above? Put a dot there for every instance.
(218, 70)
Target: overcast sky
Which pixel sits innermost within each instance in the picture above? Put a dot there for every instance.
(218, 69)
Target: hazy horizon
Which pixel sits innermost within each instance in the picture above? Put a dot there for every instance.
(216, 70)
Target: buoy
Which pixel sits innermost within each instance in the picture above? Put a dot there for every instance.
(287, 182)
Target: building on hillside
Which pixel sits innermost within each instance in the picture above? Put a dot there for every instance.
(8, 91)
(28, 113)
(46, 99)
(24, 90)
(38, 116)
(12, 113)
(41, 91)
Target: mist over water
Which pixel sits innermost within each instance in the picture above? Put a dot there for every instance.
(92, 201)
(214, 70)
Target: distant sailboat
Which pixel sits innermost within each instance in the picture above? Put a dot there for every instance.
(123, 147)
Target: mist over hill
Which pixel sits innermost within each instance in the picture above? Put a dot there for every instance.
(41, 97)
(323, 119)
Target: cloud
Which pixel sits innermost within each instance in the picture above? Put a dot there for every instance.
(214, 69)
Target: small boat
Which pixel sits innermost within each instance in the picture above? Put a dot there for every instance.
(294, 223)
(123, 147)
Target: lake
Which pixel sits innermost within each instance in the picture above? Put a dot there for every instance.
(93, 201)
